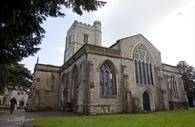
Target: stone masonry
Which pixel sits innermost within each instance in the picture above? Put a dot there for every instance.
(126, 77)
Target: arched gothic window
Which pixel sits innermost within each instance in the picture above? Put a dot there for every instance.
(143, 65)
(107, 79)
(174, 86)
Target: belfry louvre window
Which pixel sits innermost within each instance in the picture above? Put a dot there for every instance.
(107, 79)
(143, 66)
(85, 38)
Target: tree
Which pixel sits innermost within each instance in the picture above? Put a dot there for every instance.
(3, 76)
(188, 77)
(19, 76)
(16, 75)
(20, 24)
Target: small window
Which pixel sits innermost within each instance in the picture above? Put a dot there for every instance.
(85, 38)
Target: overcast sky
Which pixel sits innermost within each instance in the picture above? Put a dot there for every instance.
(168, 24)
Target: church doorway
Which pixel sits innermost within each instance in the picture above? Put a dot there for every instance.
(146, 101)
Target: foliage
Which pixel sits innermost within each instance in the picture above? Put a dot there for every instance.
(184, 118)
(20, 24)
(19, 76)
(16, 75)
(188, 77)
(3, 76)
(20, 27)
(4, 107)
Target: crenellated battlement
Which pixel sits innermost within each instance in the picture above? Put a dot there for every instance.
(81, 23)
(88, 25)
(96, 25)
(79, 34)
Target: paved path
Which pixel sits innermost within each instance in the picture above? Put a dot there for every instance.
(20, 118)
(12, 120)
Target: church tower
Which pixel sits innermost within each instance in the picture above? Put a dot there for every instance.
(79, 34)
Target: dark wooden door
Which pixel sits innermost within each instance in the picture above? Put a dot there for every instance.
(146, 101)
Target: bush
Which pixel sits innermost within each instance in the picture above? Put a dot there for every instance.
(4, 107)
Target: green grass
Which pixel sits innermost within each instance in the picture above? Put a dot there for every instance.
(183, 118)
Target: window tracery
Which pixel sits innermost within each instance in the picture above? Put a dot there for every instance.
(143, 66)
(107, 80)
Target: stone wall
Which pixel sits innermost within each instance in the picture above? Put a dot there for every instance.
(129, 94)
(127, 90)
(60, 87)
(66, 85)
(45, 89)
(75, 37)
(127, 46)
(173, 102)
(104, 104)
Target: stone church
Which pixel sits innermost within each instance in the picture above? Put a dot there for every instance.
(126, 77)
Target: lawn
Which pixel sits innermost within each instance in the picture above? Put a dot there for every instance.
(183, 118)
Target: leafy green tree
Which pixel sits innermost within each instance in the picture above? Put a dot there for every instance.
(3, 76)
(188, 77)
(20, 24)
(16, 75)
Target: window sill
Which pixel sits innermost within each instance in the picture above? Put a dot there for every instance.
(108, 96)
(144, 85)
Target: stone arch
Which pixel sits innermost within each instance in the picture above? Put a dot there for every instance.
(108, 61)
(147, 92)
(146, 101)
(142, 48)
